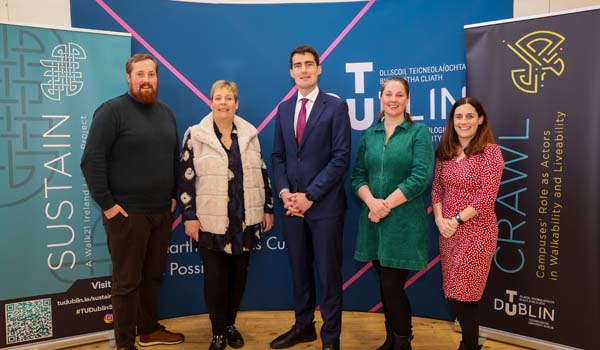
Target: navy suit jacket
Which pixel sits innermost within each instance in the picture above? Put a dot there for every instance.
(318, 165)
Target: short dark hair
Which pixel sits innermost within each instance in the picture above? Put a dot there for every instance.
(302, 49)
(138, 57)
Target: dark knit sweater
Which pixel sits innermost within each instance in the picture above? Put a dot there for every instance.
(131, 155)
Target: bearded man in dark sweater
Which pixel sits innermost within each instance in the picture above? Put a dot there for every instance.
(129, 164)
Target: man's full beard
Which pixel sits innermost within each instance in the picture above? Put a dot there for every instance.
(145, 97)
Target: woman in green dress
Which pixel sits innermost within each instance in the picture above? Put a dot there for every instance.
(392, 172)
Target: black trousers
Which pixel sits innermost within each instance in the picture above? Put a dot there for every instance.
(396, 306)
(224, 284)
(468, 317)
(138, 249)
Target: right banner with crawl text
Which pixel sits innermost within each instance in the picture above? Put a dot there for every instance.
(539, 81)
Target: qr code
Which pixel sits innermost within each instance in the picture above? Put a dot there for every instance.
(28, 320)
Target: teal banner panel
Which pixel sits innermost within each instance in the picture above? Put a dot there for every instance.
(54, 262)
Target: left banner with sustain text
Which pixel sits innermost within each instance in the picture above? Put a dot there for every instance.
(54, 263)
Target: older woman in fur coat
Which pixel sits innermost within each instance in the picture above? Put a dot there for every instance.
(228, 203)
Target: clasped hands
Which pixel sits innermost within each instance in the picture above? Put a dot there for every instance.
(447, 226)
(295, 204)
(378, 209)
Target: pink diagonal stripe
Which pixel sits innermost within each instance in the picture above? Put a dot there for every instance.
(357, 275)
(176, 223)
(162, 60)
(412, 280)
(369, 265)
(198, 93)
(333, 45)
(156, 54)
(347, 30)
(418, 275)
(270, 116)
(376, 307)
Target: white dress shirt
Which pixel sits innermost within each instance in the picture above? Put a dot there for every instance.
(312, 96)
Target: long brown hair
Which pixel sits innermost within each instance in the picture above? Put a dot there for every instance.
(402, 81)
(448, 147)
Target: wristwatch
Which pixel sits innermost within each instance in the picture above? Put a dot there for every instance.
(458, 219)
(310, 197)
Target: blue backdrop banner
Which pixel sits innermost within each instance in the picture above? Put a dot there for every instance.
(362, 43)
(54, 266)
(538, 80)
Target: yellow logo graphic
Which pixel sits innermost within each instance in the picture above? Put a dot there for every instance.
(540, 51)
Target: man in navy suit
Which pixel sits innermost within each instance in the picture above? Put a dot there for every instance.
(311, 154)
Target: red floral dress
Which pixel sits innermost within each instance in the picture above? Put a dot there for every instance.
(467, 255)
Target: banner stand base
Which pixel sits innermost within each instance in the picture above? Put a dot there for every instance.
(516, 339)
(69, 341)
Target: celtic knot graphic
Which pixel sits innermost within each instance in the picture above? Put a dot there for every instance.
(64, 75)
(21, 104)
(540, 51)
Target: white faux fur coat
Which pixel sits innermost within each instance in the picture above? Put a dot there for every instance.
(211, 166)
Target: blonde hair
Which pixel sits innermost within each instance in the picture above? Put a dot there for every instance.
(222, 84)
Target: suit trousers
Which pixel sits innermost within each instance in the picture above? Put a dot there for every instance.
(138, 249)
(316, 243)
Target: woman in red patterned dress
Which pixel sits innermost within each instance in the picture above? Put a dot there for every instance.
(466, 181)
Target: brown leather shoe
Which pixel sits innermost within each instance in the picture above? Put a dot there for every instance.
(161, 336)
